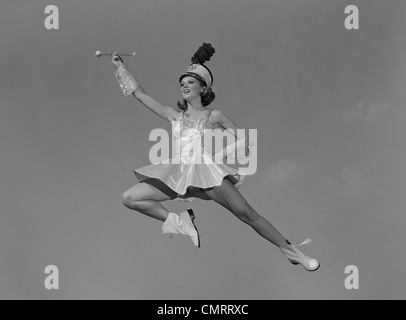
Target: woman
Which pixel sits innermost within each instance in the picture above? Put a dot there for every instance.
(184, 180)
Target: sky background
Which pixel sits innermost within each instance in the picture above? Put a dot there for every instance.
(329, 107)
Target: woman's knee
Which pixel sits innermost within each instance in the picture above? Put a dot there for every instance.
(130, 198)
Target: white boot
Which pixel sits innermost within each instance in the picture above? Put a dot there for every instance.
(296, 257)
(182, 224)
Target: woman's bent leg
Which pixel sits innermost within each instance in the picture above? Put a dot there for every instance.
(145, 197)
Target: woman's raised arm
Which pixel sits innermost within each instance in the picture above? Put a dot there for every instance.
(129, 84)
(165, 112)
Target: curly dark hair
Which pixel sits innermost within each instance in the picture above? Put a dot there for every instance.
(207, 97)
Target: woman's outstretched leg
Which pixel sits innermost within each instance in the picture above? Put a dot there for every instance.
(230, 198)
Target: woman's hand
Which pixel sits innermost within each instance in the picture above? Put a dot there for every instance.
(116, 60)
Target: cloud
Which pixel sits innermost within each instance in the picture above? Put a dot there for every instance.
(281, 173)
(357, 185)
(368, 113)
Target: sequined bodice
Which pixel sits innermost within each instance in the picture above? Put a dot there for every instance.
(191, 132)
(199, 124)
(193, 126)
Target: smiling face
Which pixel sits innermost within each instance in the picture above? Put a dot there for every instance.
(191, 88)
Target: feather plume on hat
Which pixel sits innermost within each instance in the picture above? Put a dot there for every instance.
(197, 69)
